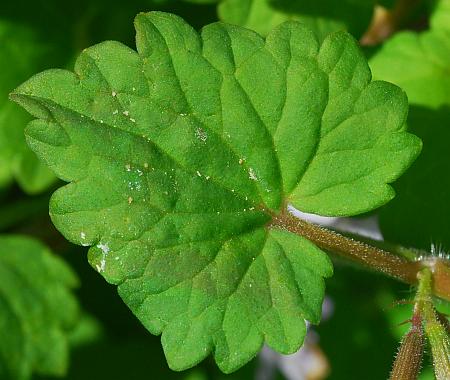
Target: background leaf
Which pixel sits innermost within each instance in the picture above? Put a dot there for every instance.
(322, 16)
(440, 19)
(38, 309)
(20, 56)
(402, 58)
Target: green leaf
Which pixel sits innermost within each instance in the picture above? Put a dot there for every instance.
(179, 155)
(419, 63)
(19, 57)
(440, 19)
(322, 16)
(37, 309)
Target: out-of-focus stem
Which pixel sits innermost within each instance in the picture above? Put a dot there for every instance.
(385, 22)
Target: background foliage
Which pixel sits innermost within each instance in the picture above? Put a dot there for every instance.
(106, 340)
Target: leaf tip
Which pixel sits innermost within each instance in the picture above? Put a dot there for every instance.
(24, 97)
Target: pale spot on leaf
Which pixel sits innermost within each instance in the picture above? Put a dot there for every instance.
(252, 174)
(201, 134)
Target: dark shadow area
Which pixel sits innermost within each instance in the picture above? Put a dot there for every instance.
(358, 339)
(420, 213)
(75, 25)
(340, 11)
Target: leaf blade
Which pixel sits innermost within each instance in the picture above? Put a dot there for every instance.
(176, 169)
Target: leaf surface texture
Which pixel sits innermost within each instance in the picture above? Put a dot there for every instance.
(179, 154)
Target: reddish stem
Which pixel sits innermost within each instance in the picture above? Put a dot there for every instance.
(367, 255)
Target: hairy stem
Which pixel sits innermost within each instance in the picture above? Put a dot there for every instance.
(408, 361)
(367, 255)
(435, 331)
